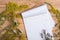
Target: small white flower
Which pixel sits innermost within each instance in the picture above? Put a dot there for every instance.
(3, 18)
(16, 22)
(14, 31)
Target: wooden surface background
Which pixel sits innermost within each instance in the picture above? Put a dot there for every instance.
(31, 3)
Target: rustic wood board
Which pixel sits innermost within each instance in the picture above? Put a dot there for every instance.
(31, 3)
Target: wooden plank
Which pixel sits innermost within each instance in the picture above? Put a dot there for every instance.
(31, 3)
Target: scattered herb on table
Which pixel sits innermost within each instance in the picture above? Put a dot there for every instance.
(11, 32)
(56, 12)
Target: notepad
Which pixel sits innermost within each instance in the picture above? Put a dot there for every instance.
(36, 20)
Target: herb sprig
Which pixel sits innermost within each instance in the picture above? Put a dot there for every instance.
(11, 32)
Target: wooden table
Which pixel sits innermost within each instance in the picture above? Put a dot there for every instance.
(31, 3)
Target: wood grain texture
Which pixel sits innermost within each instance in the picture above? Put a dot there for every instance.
(31, 3)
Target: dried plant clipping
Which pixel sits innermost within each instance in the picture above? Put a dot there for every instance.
(11, 32)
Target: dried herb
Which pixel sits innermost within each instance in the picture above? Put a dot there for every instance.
(22, 7)
(56, 12)
(11, 32)
(11, 7)
(45, 35)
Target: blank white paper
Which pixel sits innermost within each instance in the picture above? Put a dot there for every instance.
(37, 19)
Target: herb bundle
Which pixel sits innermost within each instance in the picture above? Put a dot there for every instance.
(11, 32)
(45, 35)
(56, 12)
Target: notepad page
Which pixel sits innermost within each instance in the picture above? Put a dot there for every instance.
(36, 20)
